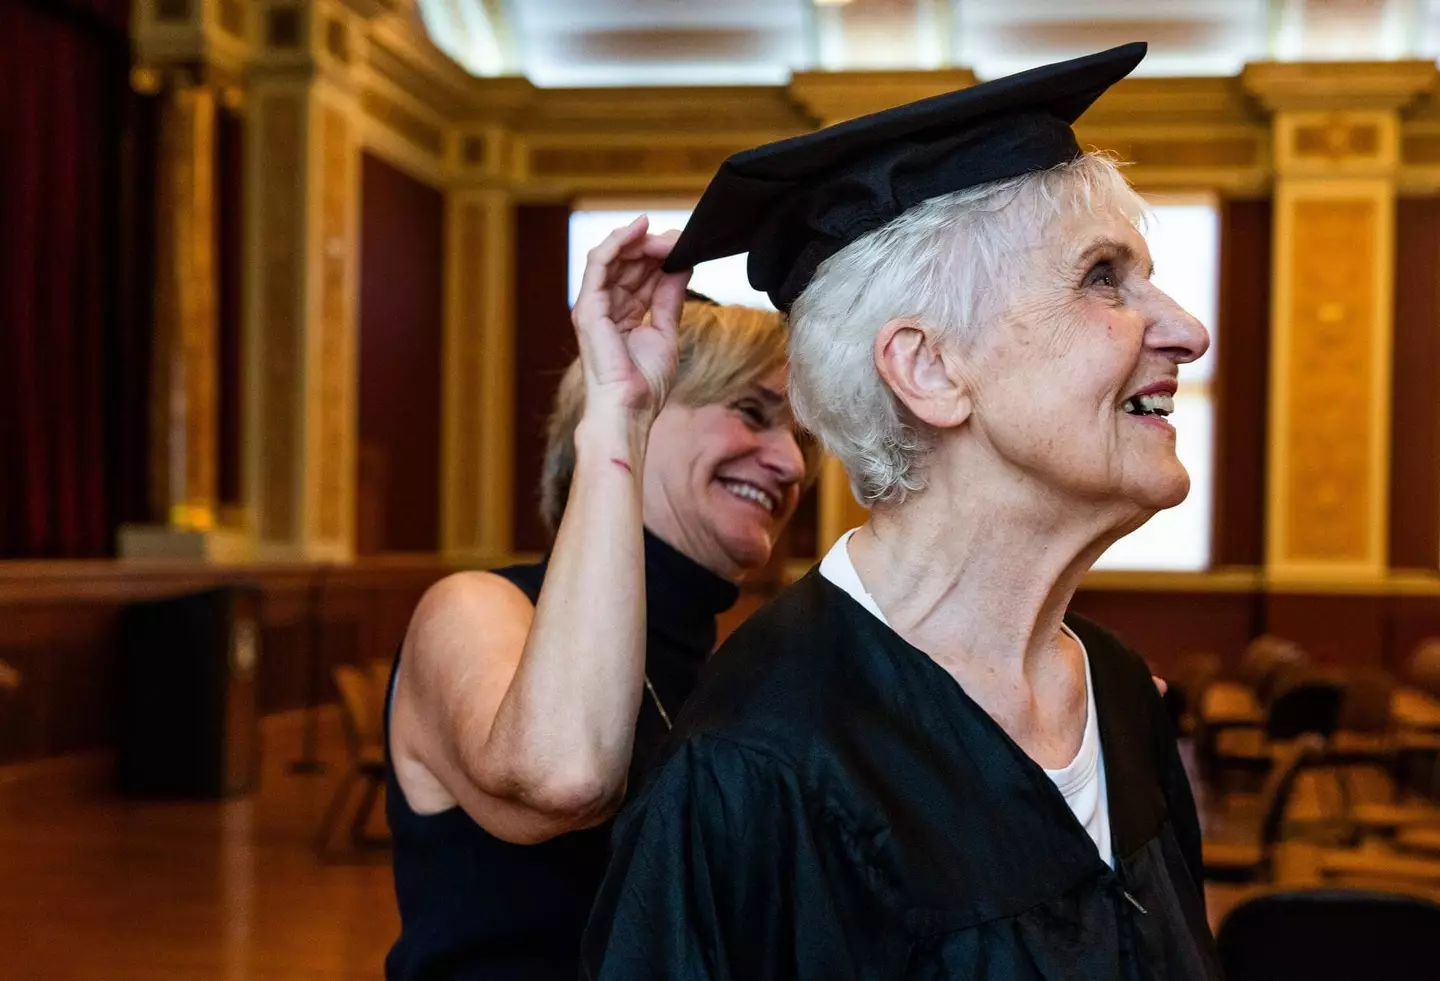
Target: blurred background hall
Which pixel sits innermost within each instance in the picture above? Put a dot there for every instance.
(284, 293)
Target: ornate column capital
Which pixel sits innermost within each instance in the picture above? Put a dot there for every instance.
(1377, 85)
(833, 97)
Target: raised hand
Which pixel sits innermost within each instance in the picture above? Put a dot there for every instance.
(625, 318)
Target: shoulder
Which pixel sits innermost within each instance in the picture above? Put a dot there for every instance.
(789, 683)
(462, 598)
(776, 678)
(464, 616)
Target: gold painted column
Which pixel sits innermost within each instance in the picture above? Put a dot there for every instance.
(184, 411)
(478, 424)
(1336, 135)
(191, 54)
(302, 242)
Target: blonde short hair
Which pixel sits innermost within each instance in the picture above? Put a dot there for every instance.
(722, 351)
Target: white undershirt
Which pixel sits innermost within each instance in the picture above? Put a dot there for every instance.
(1082, 781)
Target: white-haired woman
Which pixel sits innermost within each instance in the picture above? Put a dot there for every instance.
(915, 763)
(527, 701)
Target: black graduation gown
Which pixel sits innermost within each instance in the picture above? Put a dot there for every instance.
(834, 806)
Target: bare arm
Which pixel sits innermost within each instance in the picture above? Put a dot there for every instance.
(526, 717)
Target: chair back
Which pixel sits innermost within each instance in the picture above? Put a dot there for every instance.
(364, 726)
(1304, 703)
(1186, 684)
(1366, 705)
(1290, 758)
(1263, 657)
(1424, 667)
(1330, 935)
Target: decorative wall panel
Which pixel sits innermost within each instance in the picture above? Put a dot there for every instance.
(1327, 439)
(334, 395)
(281, 173)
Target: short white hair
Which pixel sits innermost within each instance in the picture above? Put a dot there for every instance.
(946, 263)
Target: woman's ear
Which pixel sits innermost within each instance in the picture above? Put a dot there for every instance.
(923, 374)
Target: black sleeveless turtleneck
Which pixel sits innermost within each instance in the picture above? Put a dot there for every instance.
(473, 906)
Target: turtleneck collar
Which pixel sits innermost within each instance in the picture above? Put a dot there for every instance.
(680, 591)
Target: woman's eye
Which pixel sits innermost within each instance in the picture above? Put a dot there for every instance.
(752, 413)
(1103, 274)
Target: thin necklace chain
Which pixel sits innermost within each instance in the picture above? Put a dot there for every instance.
(664, 716)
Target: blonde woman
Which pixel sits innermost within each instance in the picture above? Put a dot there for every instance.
(527, 700)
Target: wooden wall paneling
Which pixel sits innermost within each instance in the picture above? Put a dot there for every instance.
(544, 346)
(402, 282)
(1412, 619)
(1415, 419)
(230, 279)
(1241, 383)
(1162, 626)
(1336, 629)
(60, 633)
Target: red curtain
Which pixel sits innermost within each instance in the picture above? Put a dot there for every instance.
(64, 101)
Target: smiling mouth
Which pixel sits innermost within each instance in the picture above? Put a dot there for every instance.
(751, 493)
(1159, 405)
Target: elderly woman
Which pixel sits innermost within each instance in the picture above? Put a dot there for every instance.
(526, 701)
(915, 763)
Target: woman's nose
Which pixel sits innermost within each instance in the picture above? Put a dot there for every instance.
(782, 457)
(1175, 330)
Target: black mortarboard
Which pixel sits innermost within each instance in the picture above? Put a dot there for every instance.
(795, 203)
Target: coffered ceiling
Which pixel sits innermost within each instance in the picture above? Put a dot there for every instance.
(561, 43)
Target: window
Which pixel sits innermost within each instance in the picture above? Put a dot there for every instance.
(1184, 237)
(723, 280)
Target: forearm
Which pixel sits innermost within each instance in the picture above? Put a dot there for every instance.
(563, 734)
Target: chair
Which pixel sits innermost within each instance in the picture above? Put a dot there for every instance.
(1234, 712)
(362, 712)
(1424, 667)
(1264, 658)
(1302, 702)
(1330, 935)
(1250, 860)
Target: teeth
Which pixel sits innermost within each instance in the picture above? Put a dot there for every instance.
(1150, 405)
(750, 492)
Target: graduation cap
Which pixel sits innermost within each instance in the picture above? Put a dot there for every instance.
(795, 203)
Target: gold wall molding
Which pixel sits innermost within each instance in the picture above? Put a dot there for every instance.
(1339, 143)
(207, 33)
(302, 179)
(478, 423)
(331, 394)
(829, 97)
(276, 179)
(1386, 86)
(1331, 335)
(1330, 378)
(184, 408)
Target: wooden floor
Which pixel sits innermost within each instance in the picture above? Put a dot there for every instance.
(121, 891)
(189, 891)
